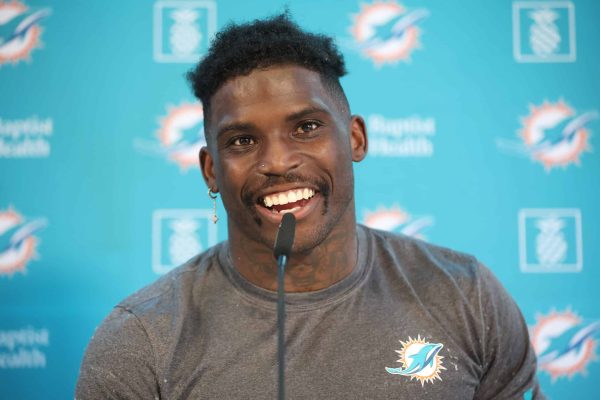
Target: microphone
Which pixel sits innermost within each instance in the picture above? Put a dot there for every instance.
(285, 236)
(281, 251)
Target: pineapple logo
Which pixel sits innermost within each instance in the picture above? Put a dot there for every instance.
(550, 240)
(184, 242)
(551, 246)
(182, 29)
(544, 37)
(180, 234)
(184, 35)
(544, 31)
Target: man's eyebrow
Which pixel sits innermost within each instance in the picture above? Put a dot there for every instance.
(235, 126)
(304, 112)
(246, 126)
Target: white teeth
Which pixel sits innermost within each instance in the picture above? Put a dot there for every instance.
(291, 196)
(282, 199)
(290, 210)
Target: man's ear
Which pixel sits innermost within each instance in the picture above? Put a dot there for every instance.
(358, 138)
(207, 167)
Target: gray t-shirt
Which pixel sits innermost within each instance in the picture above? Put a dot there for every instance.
(412, 321)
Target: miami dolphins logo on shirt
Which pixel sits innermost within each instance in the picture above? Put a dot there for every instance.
(420, 360)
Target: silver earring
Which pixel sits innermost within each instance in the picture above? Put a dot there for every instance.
(213, 196)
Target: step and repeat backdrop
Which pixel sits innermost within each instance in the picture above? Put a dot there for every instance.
(484, 131)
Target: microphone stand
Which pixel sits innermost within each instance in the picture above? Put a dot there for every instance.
(281, 262)
(281, 251)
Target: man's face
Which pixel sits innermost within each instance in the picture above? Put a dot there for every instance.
(280, 142)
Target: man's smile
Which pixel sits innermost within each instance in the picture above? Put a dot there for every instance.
(299, 197)
(287, 201)
(301, 202)
(275, 196)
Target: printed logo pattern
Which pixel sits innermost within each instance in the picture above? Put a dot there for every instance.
(544, 31)
(24, 348)
(182, 29)
(550, 240)
(18, 242)
(564, 343)
(26, 138)
(386, 32)
(20, 31)
(179, 137)
(401, 137)
(395, 219)
(420, 360)
(553, 134)
(178, 235)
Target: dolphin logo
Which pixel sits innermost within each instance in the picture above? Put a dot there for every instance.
(396, 28)
(17, 241)
(20, 31)
(386, 32)
(552, 134)
(564, 343)
(423, 358)
(22, 27)
(570, 341)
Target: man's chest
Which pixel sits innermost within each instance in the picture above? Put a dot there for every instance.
(336, 354)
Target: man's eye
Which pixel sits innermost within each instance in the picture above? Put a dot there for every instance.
(242, 141)
(307, 127)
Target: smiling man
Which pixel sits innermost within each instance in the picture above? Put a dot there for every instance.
(371, 315)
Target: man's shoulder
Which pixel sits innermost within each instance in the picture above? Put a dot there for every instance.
(162, 294)
(408, 252)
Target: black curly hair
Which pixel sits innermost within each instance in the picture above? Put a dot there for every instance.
(239, 49)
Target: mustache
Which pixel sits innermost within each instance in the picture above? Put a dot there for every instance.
(249, 195)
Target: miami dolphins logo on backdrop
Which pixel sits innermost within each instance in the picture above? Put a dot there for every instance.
(420, 360)
(395, 219)
(18, 242)
(20, 31)
(181, 134)
(552, 134)
(564, 343)
(179, 137)
(386, 32)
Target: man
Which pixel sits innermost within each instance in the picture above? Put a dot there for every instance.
(370, 315)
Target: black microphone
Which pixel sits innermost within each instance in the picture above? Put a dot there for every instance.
(281, 251)
(285, 236)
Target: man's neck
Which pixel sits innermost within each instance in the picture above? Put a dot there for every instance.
(329, 262)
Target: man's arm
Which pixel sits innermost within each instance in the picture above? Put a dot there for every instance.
(509, 358)
(119, 362)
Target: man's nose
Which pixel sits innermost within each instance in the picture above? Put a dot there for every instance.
(278, 156)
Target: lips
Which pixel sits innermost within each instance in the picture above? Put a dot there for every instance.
(285, 201)
(271, 198)
(280, 199)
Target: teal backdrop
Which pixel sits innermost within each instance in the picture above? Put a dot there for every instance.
(483, 124)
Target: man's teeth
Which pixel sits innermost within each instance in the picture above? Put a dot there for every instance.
(291, 196)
